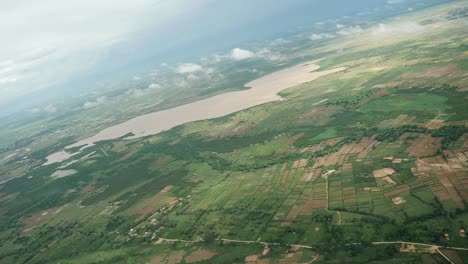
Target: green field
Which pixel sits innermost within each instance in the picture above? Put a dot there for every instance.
(383, 158)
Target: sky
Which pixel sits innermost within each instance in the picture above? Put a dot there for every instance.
(57, 44)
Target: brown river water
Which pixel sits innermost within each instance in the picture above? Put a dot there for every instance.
(262, 90)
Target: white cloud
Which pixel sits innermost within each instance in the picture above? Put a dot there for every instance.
(340, 26)
(350, 31)
(98, 101)
(188, 68)
(269, 55)
(50, 109)
(393, 2)
(405, 28)
(279, 42)
(239, 54)
(154, 86)
(321, 36)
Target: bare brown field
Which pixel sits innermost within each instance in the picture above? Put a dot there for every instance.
(424, 146)
(175, 257)
(38, 218)
(200, 255)
(400, 189)
(153, 203)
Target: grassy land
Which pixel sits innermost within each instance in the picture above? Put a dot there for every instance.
(374, 153)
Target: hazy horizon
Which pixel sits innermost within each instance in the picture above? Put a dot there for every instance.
(64, 45)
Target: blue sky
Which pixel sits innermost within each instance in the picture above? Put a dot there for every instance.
(49, 43)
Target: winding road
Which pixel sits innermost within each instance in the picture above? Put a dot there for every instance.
(436, 247)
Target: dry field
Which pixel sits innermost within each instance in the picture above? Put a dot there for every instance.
(360, 149)
(424, 146)
(451, 175)
(154, 203)
(199, 255)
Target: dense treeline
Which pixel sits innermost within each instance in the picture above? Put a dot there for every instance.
(353, 100)
(392, 134)
(449, 133)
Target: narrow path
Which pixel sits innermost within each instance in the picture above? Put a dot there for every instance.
(326, 191)
(103, 151)
(437, 247)
(443, 255)
(339, 217)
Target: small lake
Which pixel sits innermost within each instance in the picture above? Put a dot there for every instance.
(263, 90)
